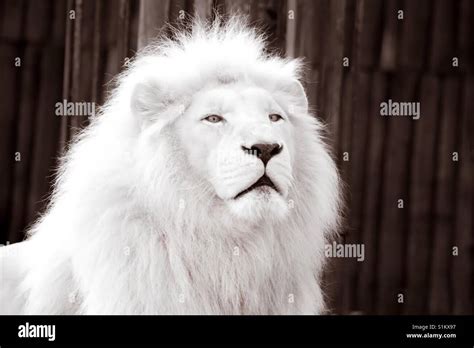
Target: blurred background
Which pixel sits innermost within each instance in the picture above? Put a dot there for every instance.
(359, 53)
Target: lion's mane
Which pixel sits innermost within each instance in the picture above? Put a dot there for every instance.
(129, 231)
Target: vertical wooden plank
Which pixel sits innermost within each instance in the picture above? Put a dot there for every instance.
(46, 128)
(341, 267)
(443, 27)
(310, 29)
(9, 100)
(67, 72)
(110, 19)
(462, 264)
(377, 130)
(82, 61)
(309, 32)
(351, 97)
(123, 28)
(86, 54)
(76, 50)
(60, 15)
(128, 23)
(394, 220)
(340, 93)
(12, 28)
(37, 23)
(291, 27)
(332, 67)
(368, 54)
(356, 178)
(72, 122)
(390, 36)
(310, 21)
(415, 34)
(13, 19)
(441, 295)
(422, 179)
(110, 63)
(351, 77)
(152, 18)
(25, 136)
(134, 8)
(352, 29)
(96, 53)
(465, 35)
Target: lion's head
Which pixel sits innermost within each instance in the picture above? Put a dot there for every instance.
(237, 117)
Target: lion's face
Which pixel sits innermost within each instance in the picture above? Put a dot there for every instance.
(239, 138)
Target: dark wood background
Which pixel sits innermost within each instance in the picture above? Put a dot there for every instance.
(408, 251)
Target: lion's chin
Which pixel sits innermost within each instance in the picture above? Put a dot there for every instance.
(262, 203)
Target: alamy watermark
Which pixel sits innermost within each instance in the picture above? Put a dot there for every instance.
(67, 108)
(28, 330)
(345, 250)
(394, 108)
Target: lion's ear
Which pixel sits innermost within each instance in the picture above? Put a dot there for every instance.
(296, 90)
(148, 100)
(151, 102)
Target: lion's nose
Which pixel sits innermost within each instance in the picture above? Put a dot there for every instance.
(264, 151)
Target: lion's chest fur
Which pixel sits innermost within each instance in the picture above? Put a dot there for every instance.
(153, 274)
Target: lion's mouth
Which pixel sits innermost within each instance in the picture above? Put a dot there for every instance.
(263, 181)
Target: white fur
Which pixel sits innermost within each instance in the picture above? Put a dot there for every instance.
(143, 220)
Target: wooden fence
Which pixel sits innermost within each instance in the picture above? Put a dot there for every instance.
(409, 182)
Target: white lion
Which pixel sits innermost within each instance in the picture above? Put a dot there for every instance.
(203, 187)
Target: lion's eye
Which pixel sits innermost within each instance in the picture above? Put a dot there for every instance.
(214, 118)
(275, 117)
